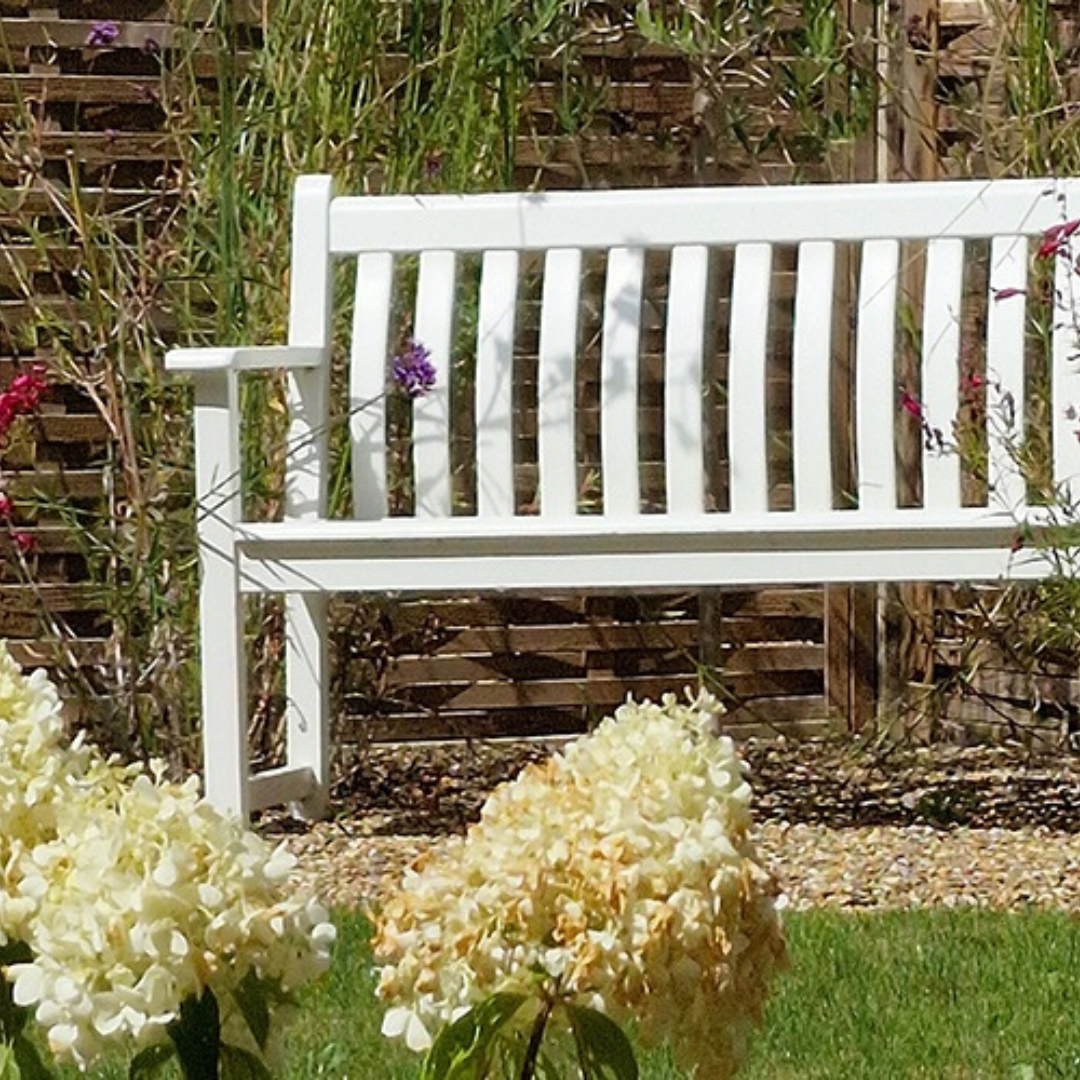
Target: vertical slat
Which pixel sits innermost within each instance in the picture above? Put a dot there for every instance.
(684, 450)
(558, 349)
(1005, 402)
(811, 367)
(747, 424)
(875, 401)
(307, 665)
(941, 366)
(367, 384)
(619, 382)
(1065, 379)
(309, 324)
(494, 384)
(433, 326)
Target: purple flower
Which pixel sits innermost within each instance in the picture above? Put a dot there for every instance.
(102, 33)
(413, 370)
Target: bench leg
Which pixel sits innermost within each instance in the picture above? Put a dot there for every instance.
(307, 713)
(224, 704)
(221, 607)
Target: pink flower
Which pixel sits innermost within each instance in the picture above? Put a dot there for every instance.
(24, 542)
(21, 397)
(1005, 294)
(7, 507)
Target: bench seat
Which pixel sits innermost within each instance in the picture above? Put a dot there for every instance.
(531, 554)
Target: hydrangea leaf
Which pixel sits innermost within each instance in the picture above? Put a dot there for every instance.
(197, 1037)
(256, 997)
(149, 1062)
(463, 1049)
(9, 1067)
(240, 1064)
(604, 1052)
(29, 1062)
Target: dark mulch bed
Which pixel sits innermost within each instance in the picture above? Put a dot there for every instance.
(409, 790)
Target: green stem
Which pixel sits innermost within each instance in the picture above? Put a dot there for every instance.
(532, 1051)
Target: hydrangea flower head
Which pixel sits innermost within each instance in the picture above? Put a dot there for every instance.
(131, 892)
(620, 872)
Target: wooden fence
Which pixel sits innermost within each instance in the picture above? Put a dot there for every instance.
(786, 660)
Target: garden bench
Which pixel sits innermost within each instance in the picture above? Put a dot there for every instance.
(798, 481)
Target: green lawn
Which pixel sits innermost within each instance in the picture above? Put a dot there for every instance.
(924, 994)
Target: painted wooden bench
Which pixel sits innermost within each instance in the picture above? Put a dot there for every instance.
(495, 285)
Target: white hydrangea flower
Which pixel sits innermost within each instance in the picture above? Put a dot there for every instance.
(131, 892)
(621, 869)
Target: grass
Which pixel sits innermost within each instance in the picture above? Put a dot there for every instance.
(913, 994)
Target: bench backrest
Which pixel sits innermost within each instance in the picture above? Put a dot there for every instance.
(511, 293)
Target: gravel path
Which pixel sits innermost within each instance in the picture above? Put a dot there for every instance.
(855, 868)
(986, 827)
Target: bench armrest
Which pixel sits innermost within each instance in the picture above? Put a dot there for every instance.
(250, 358)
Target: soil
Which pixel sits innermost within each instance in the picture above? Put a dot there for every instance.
(835, 782)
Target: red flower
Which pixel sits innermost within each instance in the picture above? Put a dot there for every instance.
(6, 507)
(21, 397)
(911, 404)
(1054, 239)
(24, 542)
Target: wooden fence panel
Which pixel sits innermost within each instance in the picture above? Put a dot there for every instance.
(785, 659)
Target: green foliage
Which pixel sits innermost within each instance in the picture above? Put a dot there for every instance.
(603, 1049)
(465, 1049)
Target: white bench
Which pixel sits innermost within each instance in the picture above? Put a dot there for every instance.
(615, 542)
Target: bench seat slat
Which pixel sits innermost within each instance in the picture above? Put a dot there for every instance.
(781, 523)
(474, 556)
